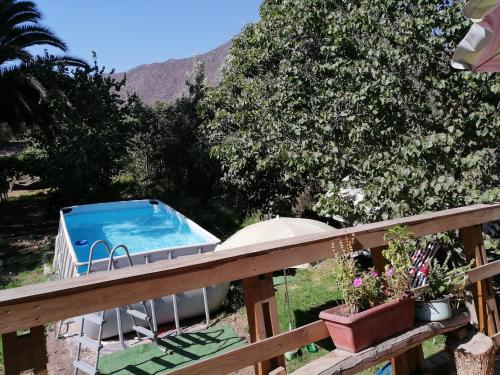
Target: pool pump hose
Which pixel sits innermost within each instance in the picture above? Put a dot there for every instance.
(293, 353)
(311, 347)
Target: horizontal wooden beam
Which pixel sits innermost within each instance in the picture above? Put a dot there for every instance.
(258, 351)
(484, 272)
(345, 363)
(37, 304)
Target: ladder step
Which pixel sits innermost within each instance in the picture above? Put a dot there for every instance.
(146, 332)
(94, 318)
(89, 343)
(138, 314)
(86, 367)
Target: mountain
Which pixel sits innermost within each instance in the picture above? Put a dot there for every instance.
(165, 81)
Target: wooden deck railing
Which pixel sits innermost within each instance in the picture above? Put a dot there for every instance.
(35, 305)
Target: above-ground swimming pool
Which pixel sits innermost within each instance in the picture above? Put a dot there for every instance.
(148, 228)
(151, 231)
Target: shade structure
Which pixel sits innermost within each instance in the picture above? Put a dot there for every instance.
(479, 51)
(275, 229)
(476, 10)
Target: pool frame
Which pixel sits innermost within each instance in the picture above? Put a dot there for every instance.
(67, 264)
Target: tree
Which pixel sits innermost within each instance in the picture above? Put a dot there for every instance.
(329, 98)
(81, 133)
(21, 92)
(168, 156)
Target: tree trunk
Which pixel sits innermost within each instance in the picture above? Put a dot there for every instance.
(473, 355)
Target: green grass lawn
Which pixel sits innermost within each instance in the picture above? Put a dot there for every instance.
(311, 290)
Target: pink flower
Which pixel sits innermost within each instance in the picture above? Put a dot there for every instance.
(389, 272)
(358, 281)
(373, 273)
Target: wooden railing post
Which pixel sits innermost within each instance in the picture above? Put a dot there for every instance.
(483, 294)
(25, 352)
(262, 316)
(378, 259)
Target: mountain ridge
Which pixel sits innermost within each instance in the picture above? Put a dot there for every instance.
(165, 81)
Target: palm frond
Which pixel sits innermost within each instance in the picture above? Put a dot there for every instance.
(13, 54)
(21, 94)
(26, 67)
(11, 10)
(24, 36)
(19, 18)
(67, 60)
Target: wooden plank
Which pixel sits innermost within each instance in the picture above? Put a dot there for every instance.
(248, 292)
(400, 365)
(11, 359)
(471, 241)
(483, 272)
(410, 362)
(25, 352)
(484, 296)
(47, 302)
(378, 259)
(262, 316)
(416, 361)
(279, 371)
(493, 318)
(470, 304)
(342, 362)
(252, 353)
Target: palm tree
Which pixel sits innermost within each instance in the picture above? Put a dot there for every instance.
(20, 91)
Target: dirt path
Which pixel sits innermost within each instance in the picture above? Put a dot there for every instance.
(60, 356)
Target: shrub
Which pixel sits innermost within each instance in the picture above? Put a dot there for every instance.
(167, 155)
(82, 133)
(343, 97)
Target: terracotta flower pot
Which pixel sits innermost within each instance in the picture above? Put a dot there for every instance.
(360, 331)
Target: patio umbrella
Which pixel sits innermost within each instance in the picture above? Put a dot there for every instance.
(275, 229)
(479, 51)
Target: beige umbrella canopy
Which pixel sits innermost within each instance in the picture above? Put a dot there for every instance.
(275, 229)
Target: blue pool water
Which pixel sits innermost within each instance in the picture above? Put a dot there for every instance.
(141, 226)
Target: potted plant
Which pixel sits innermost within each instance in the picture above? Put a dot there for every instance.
(376, 305)
(445, 283)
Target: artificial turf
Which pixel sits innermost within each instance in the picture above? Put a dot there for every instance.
(186, 348)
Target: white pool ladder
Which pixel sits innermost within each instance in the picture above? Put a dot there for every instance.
(145, 315)
(99, 319)
(96, 345)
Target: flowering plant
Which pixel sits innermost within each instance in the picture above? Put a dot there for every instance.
(444, 280)
(362, 290)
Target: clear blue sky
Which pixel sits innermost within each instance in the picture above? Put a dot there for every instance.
(127, 33)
